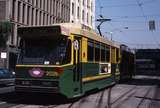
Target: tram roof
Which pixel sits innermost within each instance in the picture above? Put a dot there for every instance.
(78, 29)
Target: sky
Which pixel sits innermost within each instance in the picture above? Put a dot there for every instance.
(130, 21)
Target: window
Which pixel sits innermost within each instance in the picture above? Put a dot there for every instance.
(91, 20)
(19, 11)
(40, 18)
(87, 18)
(44, 3)
(67, 56)
(13, 9)
(107, 53)
(102, 53)
(23, 13)
(88, 3)
(72, 8)
(92, 6)
(32, 16)
(90, 51)
(97, 51)
(50, 51)
(78, 12)
(83, 15)
(51, 6)
(36, 19)
(105, 68)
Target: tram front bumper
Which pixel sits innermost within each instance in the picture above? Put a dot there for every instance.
(38, 89)
(36, 86)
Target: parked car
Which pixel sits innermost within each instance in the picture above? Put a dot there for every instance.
(6, 77)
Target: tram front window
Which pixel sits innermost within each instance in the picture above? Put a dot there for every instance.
(45, 51)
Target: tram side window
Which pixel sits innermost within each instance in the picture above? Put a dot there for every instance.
(90, 51)
(102, 53)
(97, 51)
(107, 53)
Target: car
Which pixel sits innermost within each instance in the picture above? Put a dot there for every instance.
(6, 77)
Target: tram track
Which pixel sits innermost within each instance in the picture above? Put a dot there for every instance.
(143, 99)
(124, 94)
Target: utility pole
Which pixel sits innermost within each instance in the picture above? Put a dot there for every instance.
(101, 20)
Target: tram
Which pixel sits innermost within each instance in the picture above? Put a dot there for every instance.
(65, 59)
(127, 63)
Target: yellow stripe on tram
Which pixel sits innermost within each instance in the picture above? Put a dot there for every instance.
(43, 65)
(92, 78)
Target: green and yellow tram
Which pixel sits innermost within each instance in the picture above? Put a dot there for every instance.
(65, 59)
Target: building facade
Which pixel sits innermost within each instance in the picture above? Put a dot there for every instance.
(83, 11)
(40, 12)
(147, 61)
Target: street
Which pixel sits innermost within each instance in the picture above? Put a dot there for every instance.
(142, 92)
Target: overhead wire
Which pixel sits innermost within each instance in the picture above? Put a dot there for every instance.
(138, 3)
(128, 5)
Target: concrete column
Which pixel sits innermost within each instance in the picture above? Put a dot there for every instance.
(30, 15)
(25, 14)
(15, 10)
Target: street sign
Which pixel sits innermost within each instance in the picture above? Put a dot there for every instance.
(3, 55)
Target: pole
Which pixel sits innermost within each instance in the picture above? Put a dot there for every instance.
(102, 20)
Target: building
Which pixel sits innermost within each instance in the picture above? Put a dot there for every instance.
(83, 11)
(147, 61)
(40, 12)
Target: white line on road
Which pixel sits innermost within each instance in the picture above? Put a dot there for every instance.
(2, 103)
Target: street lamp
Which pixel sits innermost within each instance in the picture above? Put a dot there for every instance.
(114, 30)
(101, 20)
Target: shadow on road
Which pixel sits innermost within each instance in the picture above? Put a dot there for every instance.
(46, 99)
(35, 99)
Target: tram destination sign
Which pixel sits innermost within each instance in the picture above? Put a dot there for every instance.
(39, 31)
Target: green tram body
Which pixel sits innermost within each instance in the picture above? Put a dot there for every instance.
(82, 60)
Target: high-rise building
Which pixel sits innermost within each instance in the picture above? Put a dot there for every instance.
(83, 11)
(40, 12)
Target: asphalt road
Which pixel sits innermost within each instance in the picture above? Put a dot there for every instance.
(142, 92)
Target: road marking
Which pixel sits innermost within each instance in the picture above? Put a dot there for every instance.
(2, 103)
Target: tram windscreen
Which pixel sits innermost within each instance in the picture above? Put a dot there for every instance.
(45, 51)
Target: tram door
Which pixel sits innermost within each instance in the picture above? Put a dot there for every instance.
(77, 75)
